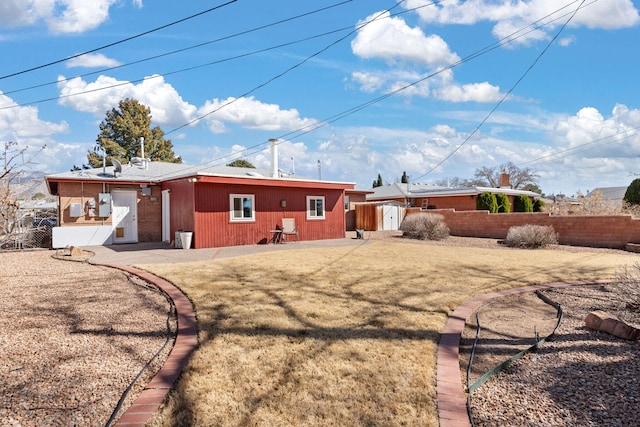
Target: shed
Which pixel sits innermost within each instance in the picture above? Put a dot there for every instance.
(379, 216)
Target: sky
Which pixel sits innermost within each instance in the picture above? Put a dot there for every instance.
(350, 89)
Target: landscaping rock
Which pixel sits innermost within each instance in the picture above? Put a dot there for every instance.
(602, 321)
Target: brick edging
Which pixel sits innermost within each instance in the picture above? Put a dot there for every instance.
(452, 399)
(153, 394)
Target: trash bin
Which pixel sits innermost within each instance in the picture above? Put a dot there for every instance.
(178, 242)
(185, 239)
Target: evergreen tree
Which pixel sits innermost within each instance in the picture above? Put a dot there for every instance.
(405, 178)
(632, 195)
(522, 203)
(241, 163)
(503, 203)
(487, 202)
(378, 182)
(120, 134)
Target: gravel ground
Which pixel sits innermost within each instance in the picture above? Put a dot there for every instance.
(73, 337)
(580, 378)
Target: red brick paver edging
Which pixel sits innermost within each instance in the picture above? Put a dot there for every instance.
(157, 389)
(452, 399)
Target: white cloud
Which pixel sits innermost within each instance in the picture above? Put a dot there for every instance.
(252, 114)
(476, 92)
(24, 126)
(92, 60)
(509, 16)
(391, 39)
(590, 134)
(368, 82)
(61, 16)
(166, 104)
(23, 122)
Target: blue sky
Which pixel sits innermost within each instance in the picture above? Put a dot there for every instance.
(436, 89)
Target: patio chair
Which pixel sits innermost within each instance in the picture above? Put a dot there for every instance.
(289, 227)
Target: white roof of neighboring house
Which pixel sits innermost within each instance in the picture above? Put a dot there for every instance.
(610, 193)
(397, 190)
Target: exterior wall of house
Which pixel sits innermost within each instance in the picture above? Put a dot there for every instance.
(149, 207)
(613, 231)
(350, 212)
(459, 203)
(212, 221)
(182, 205)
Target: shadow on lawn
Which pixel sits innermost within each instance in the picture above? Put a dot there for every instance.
(313, 314)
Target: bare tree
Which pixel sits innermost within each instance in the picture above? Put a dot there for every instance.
(13, 164)
(519, 177)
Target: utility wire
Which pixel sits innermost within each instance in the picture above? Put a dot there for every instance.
(584, 146)
(506, 95)
(118, 42)
(158, 76)
(325, 122)
(173, 52)
(288, 70)
(256, 148)
(124, 83)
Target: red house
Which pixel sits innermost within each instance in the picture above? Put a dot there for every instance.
(148, 201)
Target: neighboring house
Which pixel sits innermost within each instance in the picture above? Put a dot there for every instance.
(614, 195)
(222, 206)
(436, 197)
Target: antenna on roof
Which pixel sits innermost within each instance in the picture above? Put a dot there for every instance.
(117, 167)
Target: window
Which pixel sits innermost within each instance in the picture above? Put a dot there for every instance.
(242, 207)
(315, 207)
(346, 203)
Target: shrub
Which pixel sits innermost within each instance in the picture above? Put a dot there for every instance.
(538, 205)
(424, 226)
(487, 202)
(522, 203)
(504, 205)
(531, 236)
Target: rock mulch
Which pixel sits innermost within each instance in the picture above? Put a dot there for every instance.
(580, 378)
(73, 337)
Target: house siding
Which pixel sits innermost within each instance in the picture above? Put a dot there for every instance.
(214, 228)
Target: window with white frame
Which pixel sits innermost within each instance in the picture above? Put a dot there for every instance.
(242, 207)
(315, 207)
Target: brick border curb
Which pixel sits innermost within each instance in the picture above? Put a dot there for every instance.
(149, 400)
(452, 399)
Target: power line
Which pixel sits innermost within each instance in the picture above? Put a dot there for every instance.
(173, 52)
(314, 126)
(506, 95)
(288, 70)
(118, 42)
(584, 146)
(23, 104)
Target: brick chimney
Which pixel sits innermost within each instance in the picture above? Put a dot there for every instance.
(505, 180)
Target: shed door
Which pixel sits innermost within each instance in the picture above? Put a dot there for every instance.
(391, 217)
(124, 215)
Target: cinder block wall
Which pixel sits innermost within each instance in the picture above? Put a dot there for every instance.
(605, 231)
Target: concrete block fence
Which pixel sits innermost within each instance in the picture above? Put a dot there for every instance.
(601, 231)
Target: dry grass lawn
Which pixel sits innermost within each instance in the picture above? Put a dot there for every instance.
(342, 336)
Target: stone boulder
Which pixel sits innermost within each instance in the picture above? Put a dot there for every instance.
(605, 322)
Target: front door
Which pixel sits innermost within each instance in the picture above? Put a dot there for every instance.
(124, 215)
